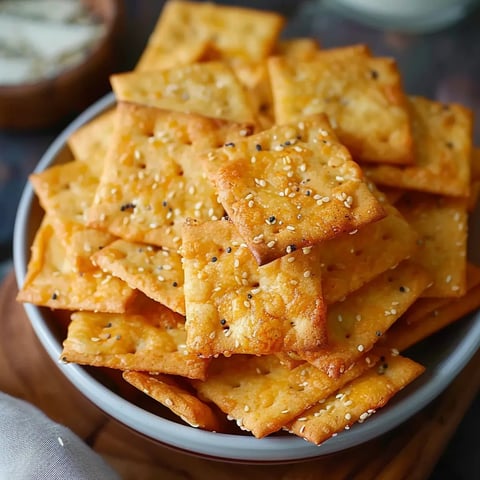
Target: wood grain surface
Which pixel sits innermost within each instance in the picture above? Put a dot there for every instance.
(409, 452)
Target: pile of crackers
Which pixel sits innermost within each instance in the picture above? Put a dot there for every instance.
(259, 227)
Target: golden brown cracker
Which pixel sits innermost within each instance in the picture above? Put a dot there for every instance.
(442, 147)
(357, 401)
(51, 281)
(131, 342)
(262, 395)
(235, 306)
(210, 89)
(362, 96)
(155, 271)
(152, 180)
(178, 399)
(357, 323)
(441, 224)
(291, 186)
(298, 48)
(233, 31)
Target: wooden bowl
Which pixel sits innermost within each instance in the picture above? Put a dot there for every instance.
(47, 102)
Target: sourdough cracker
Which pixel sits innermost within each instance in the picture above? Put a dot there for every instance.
(356, 324)
(210, 89)
(234, 32)
(357, 401)
(149, 343)
(289, 187)
(362, 96)
(51, 281)
(441, 224)
(443, 147)
(152, 181)
(261, 395)
(155, 271)
(180, 401)
(235, 306)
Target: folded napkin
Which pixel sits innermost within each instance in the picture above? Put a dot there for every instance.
(34, 447)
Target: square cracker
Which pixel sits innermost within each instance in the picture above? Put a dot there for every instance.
(290, 187)
(404, 333)
(351, 260)
(210, 89)
(155, 271)
(178, 399)
(235, 306)
(51, 281)
(441, 224)
(262, 395)
(152, 180)
(443, 147)
(148, 343)
(233, 31)
(357, 401)
(362, 96)
(357, 323)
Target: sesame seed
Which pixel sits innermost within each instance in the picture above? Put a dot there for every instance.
(307, 273)
(291, 228)
(360, 348)
(271, 243)
(348, 416)
(236, 263)
(251, 203)
(60, 441)
(448, 279)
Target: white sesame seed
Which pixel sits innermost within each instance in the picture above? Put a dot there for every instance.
(348, 416)
(360, 348)
(291, 259)
(60, 441)
(291, 228)
(307, 273)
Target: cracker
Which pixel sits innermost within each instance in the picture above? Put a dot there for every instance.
(290, 187)
(403, 334)
(235, 306)
(210, 89)
(233, 31)
(131, 342)
(90, 142)
(152, 181)
(52, 282)
(362, 96)
(442, 144)
(262, 395)
(179, 400)
(351, 260)
(156, 271)
(441, 223)
(356, 324)
(357, 401)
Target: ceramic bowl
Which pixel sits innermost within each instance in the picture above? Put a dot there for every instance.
(444, 355)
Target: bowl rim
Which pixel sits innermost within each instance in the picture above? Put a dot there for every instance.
(218, 446)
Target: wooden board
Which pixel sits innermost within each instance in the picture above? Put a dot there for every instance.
(409, 452)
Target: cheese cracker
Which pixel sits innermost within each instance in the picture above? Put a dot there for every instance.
(362, 96)
(179, 400)
(441, 224)
(152, 180)
(290, 187)
(235, 306)
(442, 143)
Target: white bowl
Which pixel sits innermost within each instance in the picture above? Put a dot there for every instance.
(444, 355)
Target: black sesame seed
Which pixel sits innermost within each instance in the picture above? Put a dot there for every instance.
(229, 249)
(287, 143)
(378, 333)
(374, 74)
(108, 325)
(223, 321)
(175, 284)
(258, 147)
(164, 203)
(249, 296)
(292, 247)
(402, 289)
(54, 296)
(127, 206)
(308, 193)
(272, 219)
(214, 259)
(230, 144)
